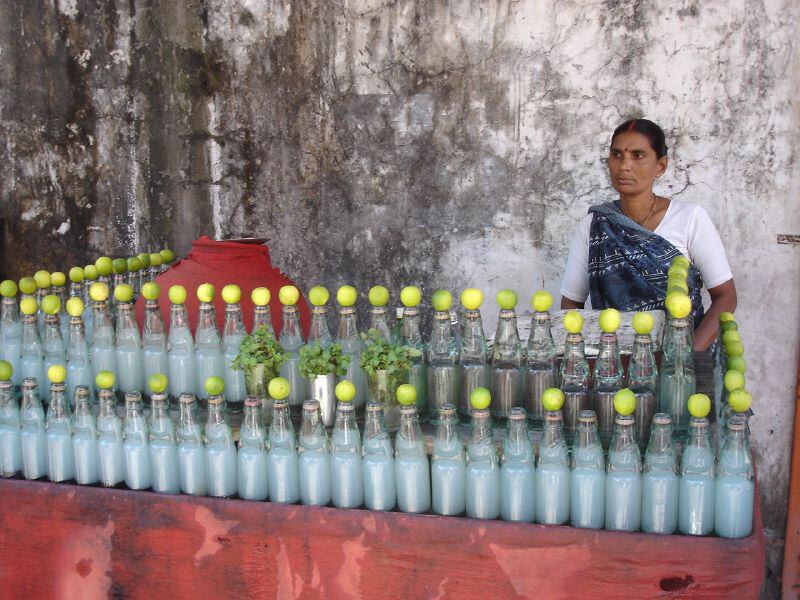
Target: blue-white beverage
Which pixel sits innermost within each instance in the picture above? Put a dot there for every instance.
(448, 465)
(483, 472)
(207, 348)
(180, 354)
(135, 444)
(552, 473)
(222, 463)
(154, 341)
(191, 451)
(53, 345)
(291, 341)
(129, 351)
(411, 336)
(518, 471)
(587, 491)
(79, 367)
(348, 338)
(735, 489)
(412, 470)
(283, 469)
(33, 435)
(60, 454)
(253, 457)
(110, 454)
(163, 447)
(10, 446)
(377, 463)
(11, 337)
(624, 478)
(84, 440)
(696, 497)
(314, 458)
(104, 354)
(31, 362)
(347, 486)
(660, 482)
(233, 333)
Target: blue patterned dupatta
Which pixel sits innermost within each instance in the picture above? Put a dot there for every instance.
(628, 264)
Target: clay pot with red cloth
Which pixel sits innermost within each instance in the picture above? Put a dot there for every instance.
(245, 263)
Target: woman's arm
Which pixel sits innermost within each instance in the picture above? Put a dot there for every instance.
(568, 304)
(723, 298)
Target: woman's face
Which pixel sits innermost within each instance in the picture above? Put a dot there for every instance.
(633, 165)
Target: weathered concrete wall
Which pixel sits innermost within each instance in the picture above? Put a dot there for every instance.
(442, 143)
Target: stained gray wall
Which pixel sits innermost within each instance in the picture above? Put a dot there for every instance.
(440, 143)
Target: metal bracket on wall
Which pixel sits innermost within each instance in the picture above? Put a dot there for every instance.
(787, 238)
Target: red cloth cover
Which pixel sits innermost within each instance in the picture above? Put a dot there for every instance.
(220, 263)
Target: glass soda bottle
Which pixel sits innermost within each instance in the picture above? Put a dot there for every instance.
(10, 446)
(443, 384)
(88, 310)
(33, 435)
(475, 366)
(411, 336)
(624, 478)
(232, 335)
(60, 453)
(79, 368)
(552, 473)
(221, 458)
(284, 481)
(135, 444)
(110, 453)
(208, 345)
(677, 381)
(163, 445)
(291, 341)
(348, 338)
(182, 367)
(253, 449)
(540, 364)
(11, 336)
(608, 375)
(128, 343)
(84, 440)
(574, 374)
(53, 345)
(154, 334)
(347, 487)
(104, 355)
(483, 471)
(60, 291)
(314, 457)
(378, 313)
(412, 470)
(507, 375)
(319, 332)
(191, 451)
(31, 362)
(643, 381)
(696, 496)
(518, 471)
(261, 312)
(734, 488)
(660, 482)
(588, 476)
(377, 461)
(448, 465)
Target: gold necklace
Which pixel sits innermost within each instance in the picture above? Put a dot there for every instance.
(650, 214)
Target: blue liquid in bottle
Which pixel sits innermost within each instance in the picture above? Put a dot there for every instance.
(677, 380)
(291, 341)
(233, 333)
(53, 345)
(60, 453)
(110, 453)
(31, 362)
(284, 481)
(587, 492)
(624, 478)
(347, 337)
(79, 368)
(377, 462)
(412, 470)
(104, 355)
(191, 451)
(180, 354)
(163, 447)
(208, 348)
(223, 468)
(11, 337)
(135, 444)
(84, 440)
(33, 436)
(734, 487)
(552, 473)
(154, 341)
(518, 471)
(483, 472)
(10, 446)
(660, 482)
(347, 487)
(253, 457)
(129, 351)
(448, 465)
(314, 458)
(696, 497)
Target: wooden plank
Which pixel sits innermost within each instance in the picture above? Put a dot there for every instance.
(70, 541)
(790, 579)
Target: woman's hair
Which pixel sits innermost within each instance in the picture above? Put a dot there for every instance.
(648, 129)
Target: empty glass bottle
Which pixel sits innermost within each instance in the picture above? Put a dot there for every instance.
(291, 341)
(377, 461)
(110, 453)
(448, 465)
(379, 321)
(443, 384)
(60, 453)
(233, 333)
(180, 355)
(221, 455)
(347, 487)
(588, 477)
(253, 449)
(262, 318)
(677, 381)
(412, 470)
(660, 482)
(284, 482)
(84, 440)
(314, 457)
(518, 471)
(574, 383)
(552, 473)
(540, 366)
(163, 447)
(507, 375)
(475, 368)
(348, 338)
(135, 444)
(734, 487)
(418, 374)
(11, 337)
(33, 435)
(154, 341)
(60, 292)
(696, 497)
(319, 331)
(207, 349)
(607, 382)
(643, 382)
(10, 447)
(191, 451)
(624, 478)
(483, 471)
(129, 350)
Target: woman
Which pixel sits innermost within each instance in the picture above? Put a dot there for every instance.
(620, 251)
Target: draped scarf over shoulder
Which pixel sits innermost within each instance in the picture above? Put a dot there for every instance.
(628, 264)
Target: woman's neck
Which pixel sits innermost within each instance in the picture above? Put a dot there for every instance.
(642, 207)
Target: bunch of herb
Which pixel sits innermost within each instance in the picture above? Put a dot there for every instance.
(316, 360)
(380, 355)
(261, 348)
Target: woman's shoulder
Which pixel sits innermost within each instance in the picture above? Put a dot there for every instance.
(686, 213)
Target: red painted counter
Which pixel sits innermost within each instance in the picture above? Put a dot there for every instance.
(84, 542)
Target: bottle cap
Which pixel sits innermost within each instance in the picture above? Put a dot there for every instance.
(186, 398)
(6, 384)
(552, 415)
(662, 419)
(623, 419)
(81, 392)
(133, 397)
(311, 405)
(471, 298)
(587, 416)
(216, 400)
(58, 387)
(252, 401)
(30, 383)
(447, 410)
(408, 409)
(698, 422)
(374, 407)
(737, 422)
(517, 414)
(105, 394)
(345, 407)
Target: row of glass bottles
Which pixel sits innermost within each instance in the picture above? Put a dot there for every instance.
(696, 498)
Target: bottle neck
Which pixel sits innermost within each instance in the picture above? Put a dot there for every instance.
(587, 451)
(281, 431)
(411, 334)
(107, 403)
(442, 344)
(126, 323)
(153, 323)
(189, 424)
(82, 409)
(643, 362)
(58, 409)
(734, 458)
(574, 366)
(291, 335)
(319, 331)
(553, 448)
(507, 346)
(312, 431)
(160, 420)
(473, 339)
(262, 318)
(76, 290)
(30, 332)
(481, 445)
(517, 445)
(409, 431)
(660, 455)
(133, 408)
(379, 320)
(252, 423)
(678, 343)
(9, 311)
(6, 393)
(30, 398)
(541, 348)
(77, 332)
(345, 431)
(373, 426)
(179, 318)
(52, 331)
(347, 325)
(207, 332)
(623, 455)
(608, 364)
(101, 316)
